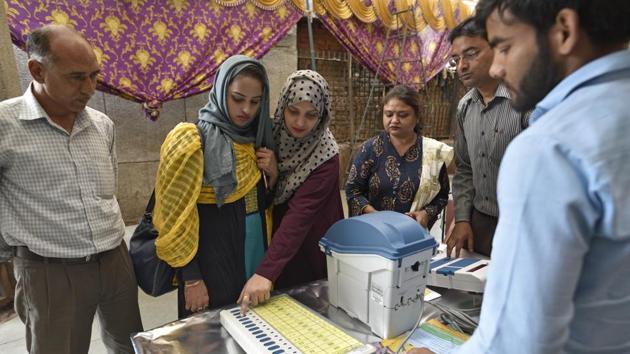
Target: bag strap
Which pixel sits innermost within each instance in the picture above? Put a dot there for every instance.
(151, 203)
(202, 136)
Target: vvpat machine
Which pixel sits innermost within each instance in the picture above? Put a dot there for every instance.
(377, 269)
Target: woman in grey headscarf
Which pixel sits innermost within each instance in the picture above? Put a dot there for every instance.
(307, 200)
(210, 190)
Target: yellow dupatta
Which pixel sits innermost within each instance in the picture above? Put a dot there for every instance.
(178, 189)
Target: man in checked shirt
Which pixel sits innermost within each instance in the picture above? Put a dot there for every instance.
(486, 123)
(59, 218)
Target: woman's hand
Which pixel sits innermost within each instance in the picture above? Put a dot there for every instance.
(368, 209)
(266, 161)
(196, 295)
(257, 290)
(421, 217)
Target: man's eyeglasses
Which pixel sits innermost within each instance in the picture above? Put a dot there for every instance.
(469, 55)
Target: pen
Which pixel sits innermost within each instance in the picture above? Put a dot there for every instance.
(264, 175)
(265, 180)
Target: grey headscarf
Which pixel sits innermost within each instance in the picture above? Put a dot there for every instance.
(298, 157)
(215, 124)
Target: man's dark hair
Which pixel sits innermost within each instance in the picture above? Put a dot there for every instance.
(468, 28)
(605, 22)
(38, 44)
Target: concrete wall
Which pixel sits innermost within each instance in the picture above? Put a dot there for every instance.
(138, 139)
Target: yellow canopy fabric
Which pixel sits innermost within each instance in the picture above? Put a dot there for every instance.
(439, 14)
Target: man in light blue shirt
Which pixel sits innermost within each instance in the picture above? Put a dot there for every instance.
(559, 280)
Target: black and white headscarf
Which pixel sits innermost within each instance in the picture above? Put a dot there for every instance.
(298, 157)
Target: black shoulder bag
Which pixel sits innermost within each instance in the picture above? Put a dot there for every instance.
(154, 276)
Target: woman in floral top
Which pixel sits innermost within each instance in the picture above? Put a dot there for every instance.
(399, 169)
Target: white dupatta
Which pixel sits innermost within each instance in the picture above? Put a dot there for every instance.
(434, 155)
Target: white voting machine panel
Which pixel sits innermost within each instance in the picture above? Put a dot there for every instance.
(467, 274)
(283, 325)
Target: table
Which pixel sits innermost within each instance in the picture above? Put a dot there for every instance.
(203, 333)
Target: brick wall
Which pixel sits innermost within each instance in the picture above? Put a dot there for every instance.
(353, 120)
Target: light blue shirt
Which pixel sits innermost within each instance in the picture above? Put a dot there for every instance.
(559, 278)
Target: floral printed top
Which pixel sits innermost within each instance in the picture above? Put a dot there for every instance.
(380, 177)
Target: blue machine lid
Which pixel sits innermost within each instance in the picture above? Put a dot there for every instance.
(385, 233)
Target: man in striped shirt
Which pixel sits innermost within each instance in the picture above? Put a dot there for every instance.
(59, 218)
(486, 123)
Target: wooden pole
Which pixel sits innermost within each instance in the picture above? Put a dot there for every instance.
(351, 113)
(9, 79)
(9, 87)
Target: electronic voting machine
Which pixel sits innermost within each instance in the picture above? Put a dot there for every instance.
(466, 274)
(284, 326)
(377, 269)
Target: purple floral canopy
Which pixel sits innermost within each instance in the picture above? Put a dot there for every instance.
(153, 51)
